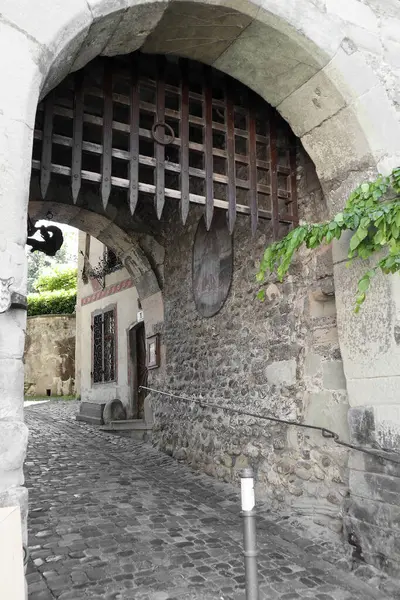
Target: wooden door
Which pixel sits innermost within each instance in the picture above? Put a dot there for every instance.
(137, 357)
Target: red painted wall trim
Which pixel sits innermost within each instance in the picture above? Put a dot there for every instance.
(108, 291)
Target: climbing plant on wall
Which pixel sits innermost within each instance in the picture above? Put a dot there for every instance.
(372, 213)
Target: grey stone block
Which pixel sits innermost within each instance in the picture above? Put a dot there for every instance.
(282, 372)
(114, 410)
(361, 425)
(312, 364)
(91, 412)
(333, 375)
(373, 486)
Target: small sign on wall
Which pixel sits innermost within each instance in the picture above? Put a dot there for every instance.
(140, 316)
(153, 351)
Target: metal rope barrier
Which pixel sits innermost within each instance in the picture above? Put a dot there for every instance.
(327, 433)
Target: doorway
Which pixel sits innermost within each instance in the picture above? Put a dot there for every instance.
(138, 369)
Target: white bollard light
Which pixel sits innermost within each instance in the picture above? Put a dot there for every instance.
(249, 533)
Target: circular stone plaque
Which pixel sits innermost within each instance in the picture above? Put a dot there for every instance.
(212, 265)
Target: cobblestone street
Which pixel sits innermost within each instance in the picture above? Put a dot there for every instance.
(112, 518)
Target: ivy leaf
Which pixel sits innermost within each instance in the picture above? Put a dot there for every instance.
(360, 298)
(374, 221)
(339, 219)
(329, 237)
(354, 242)
(260, 277)
(364, 223)
(379, 236)
(261, 295)
(361, 234)
(363, 284)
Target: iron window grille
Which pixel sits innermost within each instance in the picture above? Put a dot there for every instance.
(104, 347)
(111, 261)
(106, 265)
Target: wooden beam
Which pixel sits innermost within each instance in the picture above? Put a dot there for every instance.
(230, 147)
(47, 145)
(293, 180)
(253, 203)
(160, 134)
(150, 161)
(150, 189)
(134, 139)
(106, 165)
(208, 146)
(79, 95)
(273, 175)
(184, 133)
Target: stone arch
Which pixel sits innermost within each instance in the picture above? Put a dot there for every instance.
(128, 249)
(329, 92)
(297, 57)
(304, 60)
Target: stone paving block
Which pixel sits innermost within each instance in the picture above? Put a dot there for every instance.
(132, 524)
(45, 595)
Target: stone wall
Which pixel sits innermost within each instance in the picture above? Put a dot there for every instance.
(372, 512)
(50, 355)
(280, 358)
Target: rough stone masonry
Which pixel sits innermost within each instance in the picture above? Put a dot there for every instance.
(279, 358)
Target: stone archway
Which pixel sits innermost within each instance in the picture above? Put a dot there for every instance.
(299, 58)
(293, 54)
(127, 248)
(134, 254)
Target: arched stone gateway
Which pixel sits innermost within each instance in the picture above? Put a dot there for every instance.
(126, 245)
(331, 70)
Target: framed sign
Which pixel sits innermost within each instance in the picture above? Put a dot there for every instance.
(153, 351)
(212, 265)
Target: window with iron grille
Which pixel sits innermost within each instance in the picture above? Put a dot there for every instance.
(111, 261)
(104, 347)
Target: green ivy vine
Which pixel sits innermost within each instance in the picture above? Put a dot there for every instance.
(372, 212)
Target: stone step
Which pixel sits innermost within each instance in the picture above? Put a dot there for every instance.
(135, 428)
(91, 412)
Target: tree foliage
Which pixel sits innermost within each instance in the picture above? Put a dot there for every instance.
(38, 262)
(55, 281)
(61, 277)
(372, 213)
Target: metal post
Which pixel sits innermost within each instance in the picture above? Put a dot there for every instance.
(249, 534)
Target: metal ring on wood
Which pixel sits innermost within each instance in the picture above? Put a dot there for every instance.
(168, 128)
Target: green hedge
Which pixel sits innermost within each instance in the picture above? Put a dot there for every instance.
(60, 302)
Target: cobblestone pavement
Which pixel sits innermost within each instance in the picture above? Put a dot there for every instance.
(114, 519)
